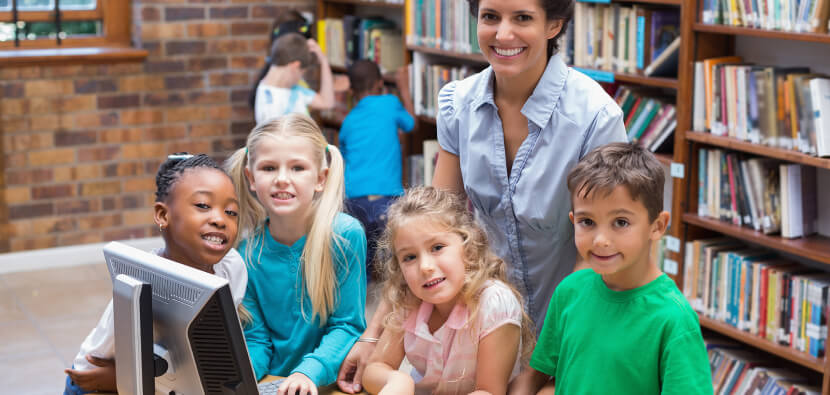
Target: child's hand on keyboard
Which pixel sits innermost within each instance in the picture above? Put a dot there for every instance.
(297, 383)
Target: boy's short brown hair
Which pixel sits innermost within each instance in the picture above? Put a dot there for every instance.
(288, 48)
(363, 76)
(621, 164)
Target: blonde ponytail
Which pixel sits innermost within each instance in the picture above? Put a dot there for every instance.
(251, 213)
(318, 262)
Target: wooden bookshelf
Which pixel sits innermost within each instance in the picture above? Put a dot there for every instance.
(665, 159)
(757, 149)
(331, 122)
(471, 57)
(758, 342)
(658, 82)
(426, 119)
(815, 247)
(362, 3)
(748, 31)
(703, 41)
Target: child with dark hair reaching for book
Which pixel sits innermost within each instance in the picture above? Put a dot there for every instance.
(621, 326)
(369, 141)
(196, 210)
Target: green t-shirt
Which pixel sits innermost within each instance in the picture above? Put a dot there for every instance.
(641, 341)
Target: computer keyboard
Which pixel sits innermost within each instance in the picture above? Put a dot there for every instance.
(269, 388)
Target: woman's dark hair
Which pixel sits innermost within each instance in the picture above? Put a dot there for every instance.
(554, 9)
(171, 170)
(290, 21)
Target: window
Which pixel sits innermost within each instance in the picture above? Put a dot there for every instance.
(39, 24)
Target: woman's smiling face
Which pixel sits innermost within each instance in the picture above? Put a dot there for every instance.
(513, 36)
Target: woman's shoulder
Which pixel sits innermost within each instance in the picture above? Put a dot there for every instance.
(460, 93)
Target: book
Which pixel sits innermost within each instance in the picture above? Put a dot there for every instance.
(665, 65)
(430, 149)
(665, 30)
(708, 71)
(699, 100)
(820, 103)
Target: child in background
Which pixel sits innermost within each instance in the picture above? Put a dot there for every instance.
(290, 21)
(369, 141)
(196, 211)
(454, 316)
(306, 279)
(279, 92)
(622, 327)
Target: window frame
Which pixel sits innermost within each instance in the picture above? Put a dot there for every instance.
(114, 42)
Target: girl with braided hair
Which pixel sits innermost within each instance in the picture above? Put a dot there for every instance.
(197, 212)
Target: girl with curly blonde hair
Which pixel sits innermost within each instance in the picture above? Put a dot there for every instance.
(454, 316)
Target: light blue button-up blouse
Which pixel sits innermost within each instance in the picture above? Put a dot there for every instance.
(525, 215)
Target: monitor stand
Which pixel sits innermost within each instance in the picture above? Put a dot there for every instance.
(133, 321)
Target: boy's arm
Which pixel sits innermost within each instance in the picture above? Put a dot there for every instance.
(684, 365)
(545, 356)
(402, 81)
(382, 372)
(324, 99)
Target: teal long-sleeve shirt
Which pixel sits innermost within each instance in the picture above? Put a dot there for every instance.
(280, 340)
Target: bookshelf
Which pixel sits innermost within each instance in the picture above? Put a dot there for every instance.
(703, 41)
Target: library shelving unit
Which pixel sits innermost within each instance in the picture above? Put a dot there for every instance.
(702, 41)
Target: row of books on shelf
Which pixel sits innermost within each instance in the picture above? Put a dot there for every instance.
(351, 38)
(760, 193)
(442, 24)
(427, 79)
(786, 15)
(780, 107)
(755, 291)
(626, 39)
(738, 370)
(649, 121)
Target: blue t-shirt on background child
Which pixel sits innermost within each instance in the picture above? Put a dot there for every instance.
(370, 146)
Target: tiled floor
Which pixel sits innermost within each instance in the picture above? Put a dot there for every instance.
(44, 317)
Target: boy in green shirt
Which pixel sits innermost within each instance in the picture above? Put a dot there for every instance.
(621, 327)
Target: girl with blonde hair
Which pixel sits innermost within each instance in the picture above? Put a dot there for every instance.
(454, 315)
(306, 259)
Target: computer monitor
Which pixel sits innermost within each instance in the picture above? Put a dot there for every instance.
(194, 320)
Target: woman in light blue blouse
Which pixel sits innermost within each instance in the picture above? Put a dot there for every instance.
(510, 134)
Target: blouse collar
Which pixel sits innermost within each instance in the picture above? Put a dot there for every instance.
(542, 101)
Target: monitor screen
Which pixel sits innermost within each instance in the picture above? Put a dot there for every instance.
(194, 320)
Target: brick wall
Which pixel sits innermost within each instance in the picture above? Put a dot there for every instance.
(82, 142)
